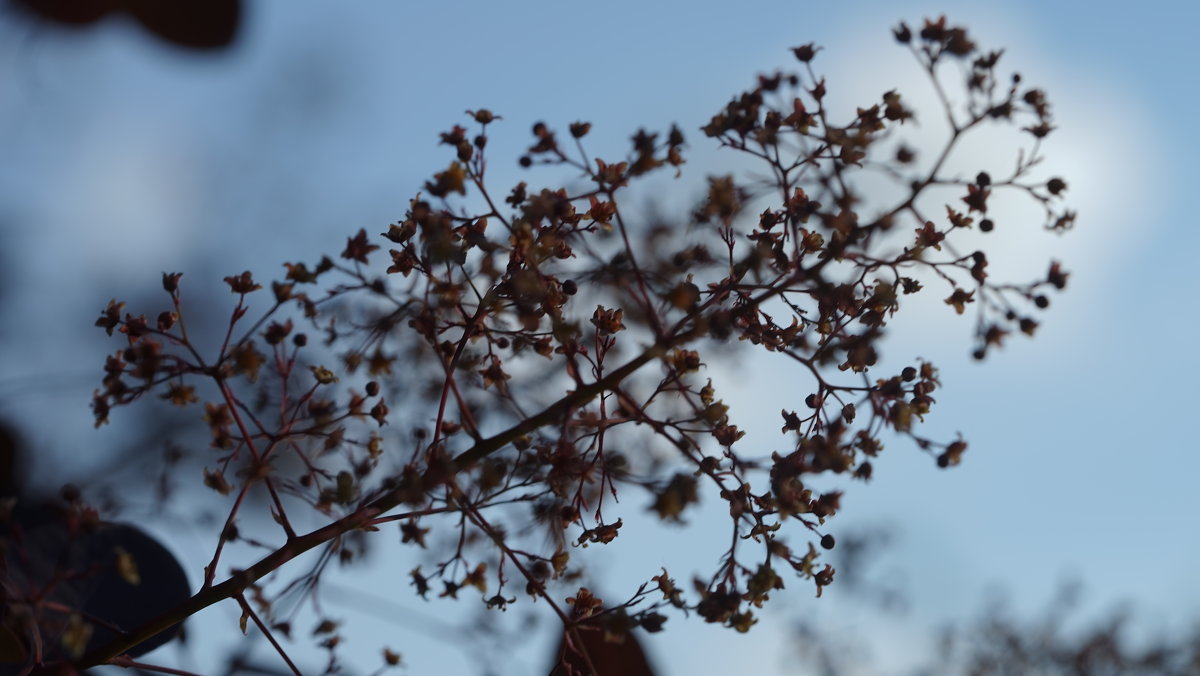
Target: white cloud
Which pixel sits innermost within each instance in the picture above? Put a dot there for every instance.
(1104, 147)
(130, 203)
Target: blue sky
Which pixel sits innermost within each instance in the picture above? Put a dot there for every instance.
(123, 158)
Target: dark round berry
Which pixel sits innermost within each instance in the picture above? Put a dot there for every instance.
(811, 401)
(1042, 302)
(300, 339)
(909, 374)
(525, 161)
(1056, 185)
(827, 541)
(570, 288)
(983, 180)
(986, 225)
(372, 388)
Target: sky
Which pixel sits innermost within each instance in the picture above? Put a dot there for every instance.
(124, 158)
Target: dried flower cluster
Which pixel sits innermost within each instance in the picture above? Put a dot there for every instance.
(496, 368)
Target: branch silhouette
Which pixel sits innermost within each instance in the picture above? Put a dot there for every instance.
(486, 379)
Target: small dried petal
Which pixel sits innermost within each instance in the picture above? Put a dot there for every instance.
(127, 567)
(243, 283)
(170, 281)
(323, 375)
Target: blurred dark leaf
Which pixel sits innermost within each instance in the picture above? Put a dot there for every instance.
(57, 555)
(197, 24)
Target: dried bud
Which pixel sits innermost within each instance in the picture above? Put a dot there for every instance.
(825, 577)
(170, 281)
(242, 283)
(805, 53)
(483, 115)
(1056, 276)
